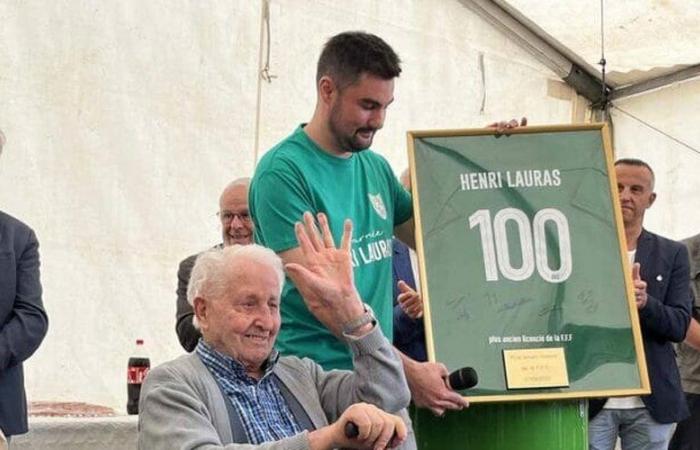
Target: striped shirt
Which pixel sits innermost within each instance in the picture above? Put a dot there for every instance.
(259, 403)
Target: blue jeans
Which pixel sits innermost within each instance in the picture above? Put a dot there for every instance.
(636, 428)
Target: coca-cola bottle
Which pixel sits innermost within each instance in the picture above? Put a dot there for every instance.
(135, 373)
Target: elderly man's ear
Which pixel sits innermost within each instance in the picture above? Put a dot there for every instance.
(201, 309)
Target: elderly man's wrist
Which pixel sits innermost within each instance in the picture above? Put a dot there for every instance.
(321, 439)
(362, 331)
(352, 299)
(360, 324)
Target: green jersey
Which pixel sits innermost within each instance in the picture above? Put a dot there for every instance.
(298, 176)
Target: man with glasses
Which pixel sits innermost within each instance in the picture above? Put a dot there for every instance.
(236, 228)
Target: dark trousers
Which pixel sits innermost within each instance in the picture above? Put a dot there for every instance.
(687, 435)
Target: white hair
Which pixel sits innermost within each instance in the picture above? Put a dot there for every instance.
(209, 277)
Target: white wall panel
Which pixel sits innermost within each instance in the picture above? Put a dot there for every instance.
(672, 110)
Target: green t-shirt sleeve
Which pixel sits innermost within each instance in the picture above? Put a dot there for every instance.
(278, 200)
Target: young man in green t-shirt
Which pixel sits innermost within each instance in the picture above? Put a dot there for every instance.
(325, 166)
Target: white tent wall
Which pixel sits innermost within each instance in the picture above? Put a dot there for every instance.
(671, 111)
(125, 119)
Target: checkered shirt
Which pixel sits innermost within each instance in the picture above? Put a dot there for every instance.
(260, 405)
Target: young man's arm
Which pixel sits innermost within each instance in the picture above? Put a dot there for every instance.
(426, 380)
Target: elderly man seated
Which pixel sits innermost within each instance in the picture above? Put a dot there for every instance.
(235, 389)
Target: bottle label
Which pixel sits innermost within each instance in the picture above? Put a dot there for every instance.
(136, 375)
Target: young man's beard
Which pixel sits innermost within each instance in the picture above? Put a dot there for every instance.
(349, 143)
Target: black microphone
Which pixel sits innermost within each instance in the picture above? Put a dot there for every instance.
(461, 379)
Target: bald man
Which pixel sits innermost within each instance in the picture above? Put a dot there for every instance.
(236, 228)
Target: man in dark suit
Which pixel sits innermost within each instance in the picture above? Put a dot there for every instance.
(23, 321)
(236, 228)
(660, 278)
(409, 331)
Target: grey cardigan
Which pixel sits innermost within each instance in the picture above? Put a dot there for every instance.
(182, 406)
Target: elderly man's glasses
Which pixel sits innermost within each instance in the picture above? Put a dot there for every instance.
(227, 217)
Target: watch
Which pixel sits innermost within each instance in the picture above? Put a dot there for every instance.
(353, 325)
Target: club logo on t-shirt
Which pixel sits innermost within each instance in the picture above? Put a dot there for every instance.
(378, 205)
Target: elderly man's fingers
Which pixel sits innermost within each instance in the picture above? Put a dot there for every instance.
(312, 231)
(364, 429)
(374, 428)
(306, 282)
(325, 231)
(297, 273)
(386, 431)
(346, 240)
(359, 414)
(377, 428)
(523, 122)
(303, 239)
(400, 432)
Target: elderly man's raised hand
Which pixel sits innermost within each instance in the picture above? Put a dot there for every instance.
(325, 278)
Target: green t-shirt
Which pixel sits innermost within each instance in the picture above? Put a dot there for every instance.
(297, 176)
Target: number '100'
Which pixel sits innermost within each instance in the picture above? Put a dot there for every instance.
(494, 243)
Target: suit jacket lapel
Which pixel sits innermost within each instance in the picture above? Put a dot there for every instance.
(643, 253)
(402, 265)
